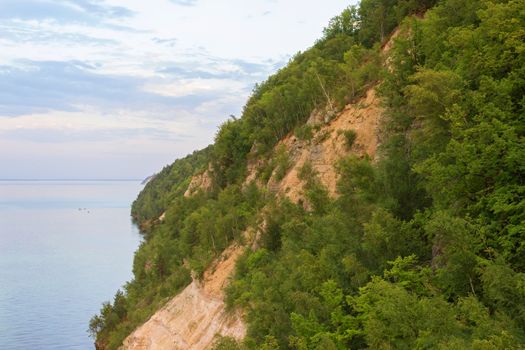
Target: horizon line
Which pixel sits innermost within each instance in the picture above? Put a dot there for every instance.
(58, 179)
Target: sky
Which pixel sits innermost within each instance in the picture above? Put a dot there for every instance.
(117, 89)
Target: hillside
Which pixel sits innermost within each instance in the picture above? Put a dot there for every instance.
(193, 318)
(371, 196)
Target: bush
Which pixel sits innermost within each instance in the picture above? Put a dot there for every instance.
(226, 343)
(282, 162)
(304, 132)
(350, 136)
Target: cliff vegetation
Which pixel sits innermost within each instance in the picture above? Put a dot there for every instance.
(420, 245)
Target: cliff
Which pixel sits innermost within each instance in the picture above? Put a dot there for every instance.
(197, 316)
(193, 318)
(370, 197)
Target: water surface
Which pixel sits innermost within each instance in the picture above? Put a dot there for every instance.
(65, 247)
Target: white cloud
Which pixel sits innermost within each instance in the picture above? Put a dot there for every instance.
(130, 77)
(188, 87)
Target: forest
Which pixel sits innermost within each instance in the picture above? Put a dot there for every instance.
(423, 248)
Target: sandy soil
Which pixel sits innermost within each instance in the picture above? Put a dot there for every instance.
(193, 318)
(198, 182)
(328, 146)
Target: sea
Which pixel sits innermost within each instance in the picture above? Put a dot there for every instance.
(65, 248)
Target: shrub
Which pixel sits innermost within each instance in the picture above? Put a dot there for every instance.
(304, 132)
(282, 162)
(350, 136)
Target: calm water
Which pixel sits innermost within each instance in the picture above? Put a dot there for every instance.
(59, 263)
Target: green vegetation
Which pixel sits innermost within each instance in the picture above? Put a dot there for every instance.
(422, 249)
(350, 136)
(335, 71)
(304, 132)
(170, 183)
(194, 231)
(282, 162)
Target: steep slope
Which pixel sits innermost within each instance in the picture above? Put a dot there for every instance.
(330, 165)
(328, 146)
(196, 316)
(424, 246)
(193, 318)
(421, 243)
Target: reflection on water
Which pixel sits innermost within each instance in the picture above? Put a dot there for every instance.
(65, 247)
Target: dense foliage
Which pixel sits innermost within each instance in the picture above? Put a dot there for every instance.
(423, 249)
(195, 230)
(170, 183)
(340, 67)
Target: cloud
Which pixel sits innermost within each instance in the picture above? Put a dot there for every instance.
(72, 11)
(40, 86)
(22, 32)
(195, 87)
(61, 135)
(209, 67)
(184, 2)
(98, 8)
(170, 42)
(32, 87)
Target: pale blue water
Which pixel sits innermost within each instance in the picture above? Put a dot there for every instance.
(58, 263)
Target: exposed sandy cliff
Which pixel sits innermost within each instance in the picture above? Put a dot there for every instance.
(193, 318)
(328, 146)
